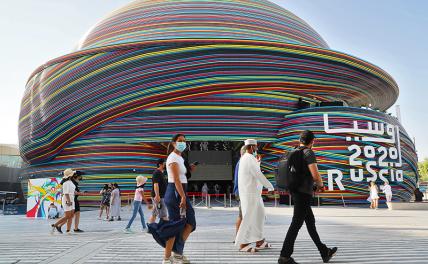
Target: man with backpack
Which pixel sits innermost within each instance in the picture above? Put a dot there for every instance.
(297, 173)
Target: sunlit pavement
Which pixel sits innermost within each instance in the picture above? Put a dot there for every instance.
(362, 235)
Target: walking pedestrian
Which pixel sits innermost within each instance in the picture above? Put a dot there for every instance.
(105, 201)
(115, 203)
(67, 200)
(159, 184)
(138, 199)
(250, 183)
(374, 195)
(76, 180)
(172, 234)
(236, 192)
(307, 171)
(386, 188)
(205, 191)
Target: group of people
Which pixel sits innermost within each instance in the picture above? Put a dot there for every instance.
(69, 202)
(374, 194)
(110, 202)
(178, 221)
(249, 183)
(173, 218)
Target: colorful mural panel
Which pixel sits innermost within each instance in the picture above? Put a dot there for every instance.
(41, 193)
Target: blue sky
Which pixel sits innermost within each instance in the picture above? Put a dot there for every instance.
(389, 33)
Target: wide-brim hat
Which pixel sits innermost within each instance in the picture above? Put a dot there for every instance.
(68, 173)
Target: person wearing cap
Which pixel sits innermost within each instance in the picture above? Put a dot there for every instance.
(68, 190)
(138, 198)
(302, 198)
(250, 185)
(159, 184)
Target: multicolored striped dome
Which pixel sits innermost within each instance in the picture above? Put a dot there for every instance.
(144, 21)
(220, 70)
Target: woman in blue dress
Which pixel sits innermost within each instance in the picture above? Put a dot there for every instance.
(172, 234)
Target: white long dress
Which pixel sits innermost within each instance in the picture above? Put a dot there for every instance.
(115, 203)
(250, 184)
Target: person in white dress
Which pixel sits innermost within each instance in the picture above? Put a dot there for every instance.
(115, 203)
(387, 190)
(374, 196)
(250, 184)
(68, 191)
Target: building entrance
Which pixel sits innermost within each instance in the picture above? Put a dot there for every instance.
(217, 160)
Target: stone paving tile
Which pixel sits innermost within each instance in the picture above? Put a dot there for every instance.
(362, 235)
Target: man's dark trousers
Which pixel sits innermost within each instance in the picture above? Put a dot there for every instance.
(302, 213)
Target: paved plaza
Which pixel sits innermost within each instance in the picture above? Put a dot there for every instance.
(362, 235)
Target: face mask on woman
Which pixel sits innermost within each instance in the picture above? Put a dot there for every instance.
(180, 146)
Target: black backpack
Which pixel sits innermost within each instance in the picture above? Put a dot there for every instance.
(291, 171)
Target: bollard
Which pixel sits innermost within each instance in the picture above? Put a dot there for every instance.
(276, 200)
(225, 201)
(318, 200)
(230, 200)
(193, 200)
(289, 198)
(209, 201)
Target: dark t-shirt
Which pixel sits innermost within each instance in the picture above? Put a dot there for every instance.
(158, 177)
(308, 182)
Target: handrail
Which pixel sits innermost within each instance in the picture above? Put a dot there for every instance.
(6, 192)
(330, 195)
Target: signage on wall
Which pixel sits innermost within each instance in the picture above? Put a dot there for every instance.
(365, 142)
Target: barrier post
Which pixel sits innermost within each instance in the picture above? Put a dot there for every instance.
(276, 201)
(193, 200)
(230, 200)
(318, 200)
(209, 201)
(289, 199)
(225, 201)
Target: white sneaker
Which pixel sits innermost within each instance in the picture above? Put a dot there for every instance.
(180, 259)
(167, 261)
(128, 231)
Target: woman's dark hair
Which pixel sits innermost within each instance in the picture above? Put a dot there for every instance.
(116, 185)
(174, 139)
(105, 186)
(160, 162)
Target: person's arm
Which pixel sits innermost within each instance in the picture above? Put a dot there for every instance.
(156, 188)
(144, 198)
(313, 168)
(113, 195)
(176, 174)
(66, 190)
(261, 177)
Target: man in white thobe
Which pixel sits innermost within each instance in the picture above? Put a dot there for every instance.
(250, 184)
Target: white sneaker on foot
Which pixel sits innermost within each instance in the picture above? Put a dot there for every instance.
(181, 259)
(128, 231)
(167, 261)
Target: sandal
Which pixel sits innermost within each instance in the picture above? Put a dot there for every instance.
(264, 245)
(248, 249)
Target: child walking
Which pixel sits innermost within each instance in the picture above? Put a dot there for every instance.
(138, 198)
